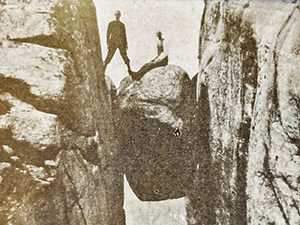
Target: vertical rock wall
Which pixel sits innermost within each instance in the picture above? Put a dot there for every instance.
(228, 64)
(56, 134)
(249, 62)
(274, 159)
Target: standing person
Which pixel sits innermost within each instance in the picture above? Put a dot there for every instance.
(160, 60)
(116, 39)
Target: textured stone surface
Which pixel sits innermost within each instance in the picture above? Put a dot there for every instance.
(274, 160)
(157, 95)
(40, 67)
(157, 160)
(249, 62)
(26, 19)
(235, 154)
(30, 125)
(56, 132)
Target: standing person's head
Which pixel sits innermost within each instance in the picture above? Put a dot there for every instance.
(159, 35)
(118, 14)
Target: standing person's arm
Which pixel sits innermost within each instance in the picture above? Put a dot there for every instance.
(108, 34)
(125, 37)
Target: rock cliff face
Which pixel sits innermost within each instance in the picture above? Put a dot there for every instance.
(249, 61)
(235, 153)
(56, 132)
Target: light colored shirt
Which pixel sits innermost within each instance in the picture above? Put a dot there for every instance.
(161, 49)
(160, 46)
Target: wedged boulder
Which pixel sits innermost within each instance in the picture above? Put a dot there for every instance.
(158, 95)
(155, 132)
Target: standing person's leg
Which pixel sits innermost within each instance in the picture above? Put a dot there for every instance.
(110, 54)
(123, 53)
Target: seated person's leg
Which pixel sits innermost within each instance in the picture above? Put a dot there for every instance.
(159, 61)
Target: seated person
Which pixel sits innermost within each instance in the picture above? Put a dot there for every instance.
(160, 60)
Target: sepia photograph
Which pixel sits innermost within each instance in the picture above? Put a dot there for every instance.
(149, 112)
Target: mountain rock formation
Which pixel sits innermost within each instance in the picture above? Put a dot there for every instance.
(249, 61)
(56, 129)
(228, 140)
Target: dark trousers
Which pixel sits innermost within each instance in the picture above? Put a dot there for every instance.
(111, 52)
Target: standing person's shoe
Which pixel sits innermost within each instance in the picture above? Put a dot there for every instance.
(129, 71)
(135, 75)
